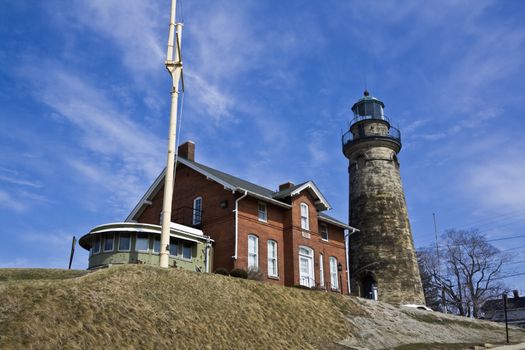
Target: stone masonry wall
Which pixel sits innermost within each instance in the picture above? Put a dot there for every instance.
(383, 248)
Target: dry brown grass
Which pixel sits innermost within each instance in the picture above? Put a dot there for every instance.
(38, 274)
(141, 307)
(149, 308)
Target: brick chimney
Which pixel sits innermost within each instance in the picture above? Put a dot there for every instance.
(187, 150)
(285, 186)
(516, 293)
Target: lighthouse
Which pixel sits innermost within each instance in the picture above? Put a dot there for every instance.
(382, 258)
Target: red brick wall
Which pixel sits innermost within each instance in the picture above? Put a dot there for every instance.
(217, 222)
(271, 230)
(333, 247)
(283, 226)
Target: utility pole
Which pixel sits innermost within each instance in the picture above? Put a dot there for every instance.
(505, 309)
(174, 67)
(73, 243)
(443, 299)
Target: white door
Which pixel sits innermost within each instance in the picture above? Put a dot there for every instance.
(306, 267)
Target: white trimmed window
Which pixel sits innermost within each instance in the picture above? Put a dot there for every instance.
(334, 282)
(321, 270)
(156, 244)
(306, 267)
(305, 225)
(109, 240)
(197, 211)
(95, 249)
(174, 246)
(253, 251)
(124, 242)
(324, 232)
(263, 212)
(186, 251)
(272, 259)
(142, 243)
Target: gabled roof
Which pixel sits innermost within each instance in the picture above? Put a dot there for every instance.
(326, 218)
(308, 185)
(227, 179)
(234, 184)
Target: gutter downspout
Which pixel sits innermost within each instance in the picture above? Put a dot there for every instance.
(207, 256)
(236, 210)
(347, 251)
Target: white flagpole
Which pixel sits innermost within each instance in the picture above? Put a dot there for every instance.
(174, 67)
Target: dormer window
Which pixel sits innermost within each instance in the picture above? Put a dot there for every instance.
(197, 211)
(305, 225)
(263, 212)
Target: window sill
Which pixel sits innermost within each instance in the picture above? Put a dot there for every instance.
(274, 278)
(183, 259)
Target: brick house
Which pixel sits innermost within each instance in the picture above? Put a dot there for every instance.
(285, 234)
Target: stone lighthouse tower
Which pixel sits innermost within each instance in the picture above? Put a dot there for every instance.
(382, 258)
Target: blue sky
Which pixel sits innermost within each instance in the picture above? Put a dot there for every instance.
(84, 101)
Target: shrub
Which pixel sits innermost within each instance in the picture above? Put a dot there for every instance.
(221, 271)
(255, 274)
(240, 273)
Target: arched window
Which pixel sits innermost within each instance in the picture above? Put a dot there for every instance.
(272, 259)
(305, 224)
(253, 251)
(334, 281)
(197, 211)
(306, 267)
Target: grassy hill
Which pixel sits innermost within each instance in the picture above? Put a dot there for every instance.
(140, 307)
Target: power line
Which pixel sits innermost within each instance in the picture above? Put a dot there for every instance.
(521, 246)
(515, 262)
(508, 276)
(505, 238)
(488, 240)
(519, 213)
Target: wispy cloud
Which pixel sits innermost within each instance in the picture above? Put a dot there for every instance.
(498, 183)
(10, 202)
(21, 182)
(212, 103)
(115, 152)
(132, 26)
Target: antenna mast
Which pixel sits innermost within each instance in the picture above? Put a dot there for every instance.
(174, 67)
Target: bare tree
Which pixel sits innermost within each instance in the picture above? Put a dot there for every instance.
(427, 261)
(467, 270)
